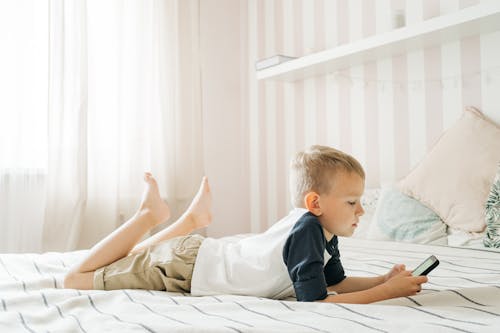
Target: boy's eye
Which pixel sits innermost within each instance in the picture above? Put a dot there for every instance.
(352, 203)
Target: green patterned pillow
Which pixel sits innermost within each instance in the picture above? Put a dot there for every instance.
(401, 218)
(492, 237)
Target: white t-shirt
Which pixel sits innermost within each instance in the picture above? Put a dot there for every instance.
(249, 265)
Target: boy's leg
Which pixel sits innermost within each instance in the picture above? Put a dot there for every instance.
(151, 212)
(197, 216)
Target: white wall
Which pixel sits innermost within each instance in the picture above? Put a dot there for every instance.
(386, 113)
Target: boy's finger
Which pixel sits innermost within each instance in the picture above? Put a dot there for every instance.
(421, 279)
(399, 267)
(405, 273)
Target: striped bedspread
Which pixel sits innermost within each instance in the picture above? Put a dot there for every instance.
(463, 294)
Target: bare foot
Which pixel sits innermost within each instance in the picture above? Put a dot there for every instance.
(152, 202)
(200, 209)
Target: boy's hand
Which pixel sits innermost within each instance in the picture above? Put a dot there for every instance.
(403, 284)
(394, 271)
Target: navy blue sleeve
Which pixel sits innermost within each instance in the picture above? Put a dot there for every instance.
(334, 272)
(303, 255)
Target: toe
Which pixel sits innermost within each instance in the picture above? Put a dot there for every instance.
(148, 177)
(204, 184)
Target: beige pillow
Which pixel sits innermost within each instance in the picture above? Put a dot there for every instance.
(454, 178)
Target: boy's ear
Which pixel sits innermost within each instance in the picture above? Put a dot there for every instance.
(311, 201)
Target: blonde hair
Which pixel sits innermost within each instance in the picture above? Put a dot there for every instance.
(312, 169)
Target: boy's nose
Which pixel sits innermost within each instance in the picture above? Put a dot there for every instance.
(360, 211)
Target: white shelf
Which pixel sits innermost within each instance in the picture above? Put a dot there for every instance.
(483, 18)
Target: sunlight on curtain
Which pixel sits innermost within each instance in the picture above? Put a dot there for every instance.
(144, 108)
(115, 91)
(67, 124)
(23, 123)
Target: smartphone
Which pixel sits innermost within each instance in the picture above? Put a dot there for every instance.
(426, 267)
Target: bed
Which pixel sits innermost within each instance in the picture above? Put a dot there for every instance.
(463, 294)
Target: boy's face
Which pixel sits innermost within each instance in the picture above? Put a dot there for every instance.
(341, 208)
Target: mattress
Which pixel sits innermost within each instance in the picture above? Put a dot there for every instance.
(463, 294)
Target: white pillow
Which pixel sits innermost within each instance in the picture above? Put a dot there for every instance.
(454, 177)
(460, 238)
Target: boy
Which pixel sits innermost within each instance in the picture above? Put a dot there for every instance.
(298, 255)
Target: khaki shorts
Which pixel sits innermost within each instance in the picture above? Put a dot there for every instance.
(165, 266)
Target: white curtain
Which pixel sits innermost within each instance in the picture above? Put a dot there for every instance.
(67, 124)
(143, 108)
(23, 123)
(123, 98)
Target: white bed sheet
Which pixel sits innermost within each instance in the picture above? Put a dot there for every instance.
(463, 295)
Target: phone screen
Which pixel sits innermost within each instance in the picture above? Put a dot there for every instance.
(425, 267)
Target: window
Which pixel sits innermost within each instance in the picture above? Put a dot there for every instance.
(23, 84)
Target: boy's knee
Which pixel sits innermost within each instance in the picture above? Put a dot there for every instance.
(70, 280)
(76, 280)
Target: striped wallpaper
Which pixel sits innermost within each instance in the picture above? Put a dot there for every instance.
(386, 113)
